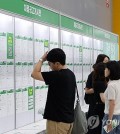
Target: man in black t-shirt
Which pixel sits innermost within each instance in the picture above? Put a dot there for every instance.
(59, 109)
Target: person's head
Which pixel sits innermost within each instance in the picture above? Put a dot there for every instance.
(112, 70)
(102, 58)
(56, 58)
(99, 70)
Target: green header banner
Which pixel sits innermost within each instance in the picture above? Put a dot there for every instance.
(100, 34)
(77, 26)
(35, 12)
(30, 10)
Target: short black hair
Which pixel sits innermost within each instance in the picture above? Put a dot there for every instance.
(56, 55)
(114, 68)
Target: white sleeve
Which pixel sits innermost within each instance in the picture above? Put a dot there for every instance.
(111, 92)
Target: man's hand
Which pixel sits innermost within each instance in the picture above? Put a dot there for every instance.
(36, 74)
(44, 57)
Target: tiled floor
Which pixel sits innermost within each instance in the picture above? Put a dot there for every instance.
(36, 128)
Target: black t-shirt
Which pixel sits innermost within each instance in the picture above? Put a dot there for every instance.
(89, 98)
(61, 95)
(99, 87)
(89, 81)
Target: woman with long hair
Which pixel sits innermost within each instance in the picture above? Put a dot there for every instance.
(97, 111)
(89, 92)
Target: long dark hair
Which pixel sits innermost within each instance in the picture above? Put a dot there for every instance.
(98, 74)
(100, 58)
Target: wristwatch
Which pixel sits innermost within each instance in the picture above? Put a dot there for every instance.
(41, 59)
(108, 122)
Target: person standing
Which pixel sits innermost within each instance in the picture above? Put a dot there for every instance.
(89, 91)
(59, 109)
(99, 87)
(111, 120)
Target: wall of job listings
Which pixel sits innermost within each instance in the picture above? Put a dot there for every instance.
(23, 41)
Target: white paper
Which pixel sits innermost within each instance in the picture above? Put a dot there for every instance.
(24, 52)
(25, 101)
(18, 76)
(18, 50)
(39, 50)
(18, 102)
(30, 51)
(3, 48)
(10, 104)
(3, 105)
